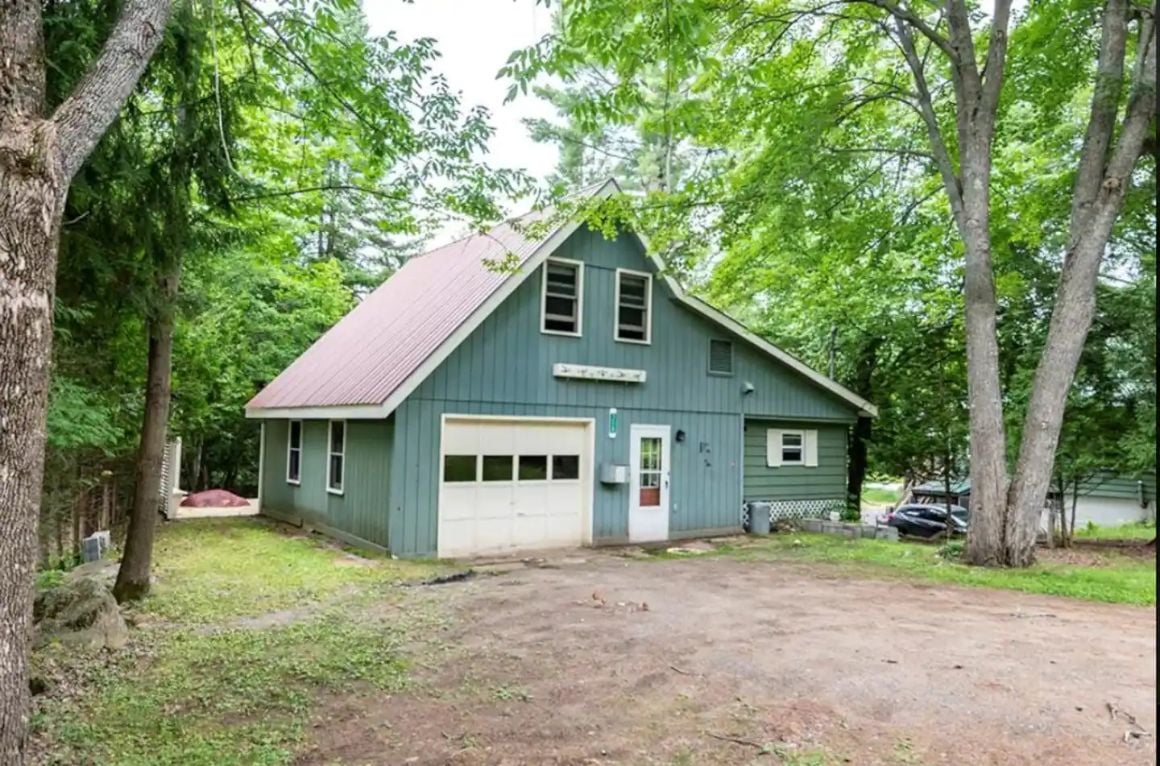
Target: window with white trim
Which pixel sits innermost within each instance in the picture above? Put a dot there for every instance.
(633, 306)
(336, 457)
(563, 297)
(294, 453)
(793, 447)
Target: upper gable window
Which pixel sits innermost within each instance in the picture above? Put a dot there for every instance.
(720, 357)
(563, 297)
(633, 306)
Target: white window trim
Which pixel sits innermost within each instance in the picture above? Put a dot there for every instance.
(781, 446)
(289, 448)
(579, 298)
(732, 358)
(648, 308)
(329, 453)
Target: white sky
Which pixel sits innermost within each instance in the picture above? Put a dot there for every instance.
(475, 38)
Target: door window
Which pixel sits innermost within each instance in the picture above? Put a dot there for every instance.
(650, 471)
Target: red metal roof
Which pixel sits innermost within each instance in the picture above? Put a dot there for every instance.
(372, 350)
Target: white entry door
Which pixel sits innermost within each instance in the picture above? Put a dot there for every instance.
(648, 511)
(513, 484)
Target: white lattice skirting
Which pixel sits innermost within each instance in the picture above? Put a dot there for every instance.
(782, 510)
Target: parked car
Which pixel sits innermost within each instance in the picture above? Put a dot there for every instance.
(921, 520)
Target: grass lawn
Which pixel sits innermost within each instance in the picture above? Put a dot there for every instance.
(205, 680)
(879, 496)
(1119, 579)
(1138, 531)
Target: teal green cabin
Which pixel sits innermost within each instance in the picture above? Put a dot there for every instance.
(584, 399)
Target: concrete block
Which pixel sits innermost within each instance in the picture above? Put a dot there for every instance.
(811, 525)
(887, 533)
(868, 531)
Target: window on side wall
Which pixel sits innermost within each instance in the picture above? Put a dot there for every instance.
(563, 297)
(720, 357)
(294, 453)
(633, 306)
(793, 446)
(336, 457)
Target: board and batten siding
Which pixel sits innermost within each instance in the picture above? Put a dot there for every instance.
(705, 485)
(359, 514)
(505, 368)
(825, 481)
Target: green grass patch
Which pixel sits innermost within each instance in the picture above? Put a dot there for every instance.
(1144, 530)
(210, 570)
(1120, 579)
(198, 685)
(879, 496)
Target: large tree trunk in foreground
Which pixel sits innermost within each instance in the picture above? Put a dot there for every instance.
(1005, 518)
(38, 158)
(1099, 194)
(30, 207)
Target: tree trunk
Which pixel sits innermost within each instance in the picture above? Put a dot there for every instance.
(859, 435)
(38, 158)
(987, 435)
(1103, 178)
(137, 560)
(31, 201)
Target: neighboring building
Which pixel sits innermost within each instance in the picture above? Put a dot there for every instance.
(1104, 499)
(580, 397)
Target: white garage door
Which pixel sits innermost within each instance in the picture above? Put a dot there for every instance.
(507, 485)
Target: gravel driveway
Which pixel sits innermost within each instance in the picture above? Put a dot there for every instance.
(713, 660)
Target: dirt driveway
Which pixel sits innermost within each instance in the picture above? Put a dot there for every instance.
(740, 662)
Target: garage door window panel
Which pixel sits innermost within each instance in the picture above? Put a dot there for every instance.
(497, 467)
(565, 467)
(533, 468)
(460, 468)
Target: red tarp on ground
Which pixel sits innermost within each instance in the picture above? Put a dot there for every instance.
(214, 498)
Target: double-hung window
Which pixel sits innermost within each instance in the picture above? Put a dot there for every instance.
(294, 453)
(563, 297)
(633, 306)
(336, 457)
(793, 444)
(791, 447)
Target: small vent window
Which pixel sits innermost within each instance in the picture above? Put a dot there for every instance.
(720, 357)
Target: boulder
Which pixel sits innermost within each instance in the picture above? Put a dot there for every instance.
(80, 612)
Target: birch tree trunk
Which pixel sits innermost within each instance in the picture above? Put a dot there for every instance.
(38, 158)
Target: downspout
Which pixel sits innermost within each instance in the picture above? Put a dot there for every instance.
(746, 390)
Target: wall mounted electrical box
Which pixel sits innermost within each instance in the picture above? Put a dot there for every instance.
(611, 473)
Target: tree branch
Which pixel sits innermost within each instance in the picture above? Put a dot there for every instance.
(996, 58)
(1141, 107)
(926, 106)
(95, 102)
(1102, 118)
(905, 15)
